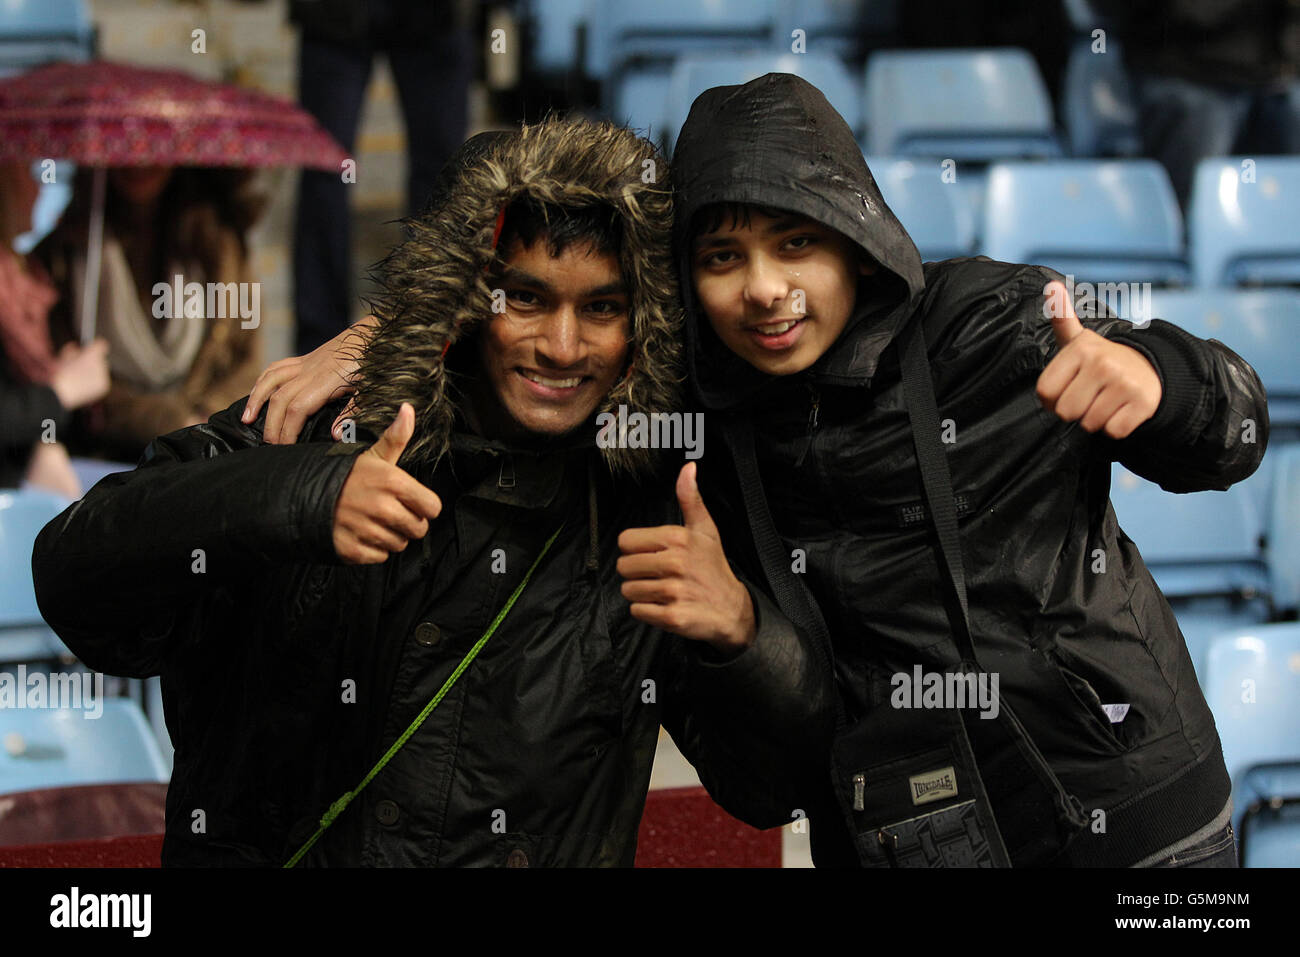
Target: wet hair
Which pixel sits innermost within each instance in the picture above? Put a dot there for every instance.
(528, 220)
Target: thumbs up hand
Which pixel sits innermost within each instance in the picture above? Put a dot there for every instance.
(677, 577)
(1098, 383)
(381, 508)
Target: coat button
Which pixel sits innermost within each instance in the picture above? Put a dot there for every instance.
(387, 812)
(428, 634)
(517, 858)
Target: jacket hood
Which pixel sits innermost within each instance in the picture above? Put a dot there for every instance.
(434, 287)
(776, 142)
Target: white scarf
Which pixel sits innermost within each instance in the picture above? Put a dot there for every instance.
(135, 353)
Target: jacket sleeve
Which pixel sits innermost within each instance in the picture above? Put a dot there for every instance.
(757, 727)
(1211, 427)
(118, 573)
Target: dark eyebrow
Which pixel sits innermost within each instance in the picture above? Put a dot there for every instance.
(609, 289)
(517, 277)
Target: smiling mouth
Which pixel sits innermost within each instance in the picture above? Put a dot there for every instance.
(571, 382)
(777, 327)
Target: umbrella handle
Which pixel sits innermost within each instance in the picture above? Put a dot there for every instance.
(94, 246)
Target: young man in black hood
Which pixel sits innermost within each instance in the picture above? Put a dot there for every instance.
(813, 334)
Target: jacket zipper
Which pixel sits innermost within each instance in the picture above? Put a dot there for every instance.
(812, 423)
(859, 792)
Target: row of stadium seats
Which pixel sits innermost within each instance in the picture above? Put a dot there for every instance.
(974, 105)
(599, 37)
(1107, 220)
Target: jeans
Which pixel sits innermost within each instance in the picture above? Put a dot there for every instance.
(1214, 845)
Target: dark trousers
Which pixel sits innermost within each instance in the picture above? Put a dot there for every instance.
(1183, 122)
(432, 83)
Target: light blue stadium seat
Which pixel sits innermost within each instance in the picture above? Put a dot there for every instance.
(51, 201)
(692, 74)
(1252, 684)
(620, 32)
(57, 747)
(1098, 109)
(937, 215)
(90, 471)
(982, 105)
(33, 32)
(1243, 232)
(640, 100)
(1260, 325)
(555, 26)
(1284, 528)
(1097, 220)
(1204, 551)
(24, 636)
(1271, 837)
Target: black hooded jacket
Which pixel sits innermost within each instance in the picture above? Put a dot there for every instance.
(287, 674)
(834, 450)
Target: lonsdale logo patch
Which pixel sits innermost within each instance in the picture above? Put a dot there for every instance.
(933, 785)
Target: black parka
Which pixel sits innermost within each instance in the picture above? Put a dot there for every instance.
(287, 674)
(1061, 604)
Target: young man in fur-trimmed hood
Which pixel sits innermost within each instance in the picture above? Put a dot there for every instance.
(298, 636)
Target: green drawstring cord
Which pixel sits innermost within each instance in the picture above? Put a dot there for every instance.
(338, 806)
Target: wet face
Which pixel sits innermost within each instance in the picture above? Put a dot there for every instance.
(559, 348)
(778, 291)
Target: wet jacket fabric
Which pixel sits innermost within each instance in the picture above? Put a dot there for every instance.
(287, 674)
(834, 452)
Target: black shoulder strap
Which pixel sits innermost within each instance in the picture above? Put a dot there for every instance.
(791, 595)
(922, 409)
(923, 412)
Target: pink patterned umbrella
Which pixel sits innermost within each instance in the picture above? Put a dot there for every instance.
(105, 114)
(113, 114)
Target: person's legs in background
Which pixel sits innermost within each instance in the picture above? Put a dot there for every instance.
(1182, 122)
(332, 86)
(433, 84)
(1274, 124)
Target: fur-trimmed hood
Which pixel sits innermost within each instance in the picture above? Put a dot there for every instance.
(434, 285)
